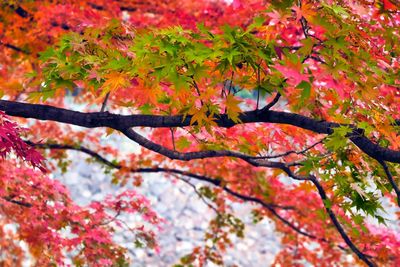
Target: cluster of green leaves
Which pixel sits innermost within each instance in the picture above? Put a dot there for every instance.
(339, 138)
(354, 187)
(78, 57)
(189, 60)
(192, 63)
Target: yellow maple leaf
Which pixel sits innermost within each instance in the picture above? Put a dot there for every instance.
(198, 115)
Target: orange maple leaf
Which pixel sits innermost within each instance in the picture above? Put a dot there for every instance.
(114, 81)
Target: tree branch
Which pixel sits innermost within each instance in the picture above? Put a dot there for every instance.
(18, 202)
(255, 162)
(200, 195)
(117, 166)
(144, 142)
(271, 207)
(123, 122)
(103, 106)
(203, 154)
(271, 104)
(15, 48)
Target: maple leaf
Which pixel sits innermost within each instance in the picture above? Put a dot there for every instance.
(114, 81)
(199, 116)
(306, 10)
(232, 107)
(390, 5)
(293, 72)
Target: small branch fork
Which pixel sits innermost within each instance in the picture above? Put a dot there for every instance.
(306, 28)
(130, 133)
(270, 104)
(287, 153)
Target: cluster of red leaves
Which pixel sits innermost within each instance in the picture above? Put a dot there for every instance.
(10, 141)
(54, 227)
(48, 220)
(11, 253)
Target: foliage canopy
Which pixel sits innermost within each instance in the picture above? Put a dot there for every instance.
(238, 96)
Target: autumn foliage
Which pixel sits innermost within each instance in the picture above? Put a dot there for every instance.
(241, 96)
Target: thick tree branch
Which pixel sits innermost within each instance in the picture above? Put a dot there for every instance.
(123, 122)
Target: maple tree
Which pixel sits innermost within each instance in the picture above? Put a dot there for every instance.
(237, 95)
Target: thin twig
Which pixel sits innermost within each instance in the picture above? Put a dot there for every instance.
(15, 48)
(230, 85)
(103, 106)
(111, 219)
(172, 138)
(18, 202)
(199, 195)
(198, 90)
(391, 180)
(292, 151)
(258, 91)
